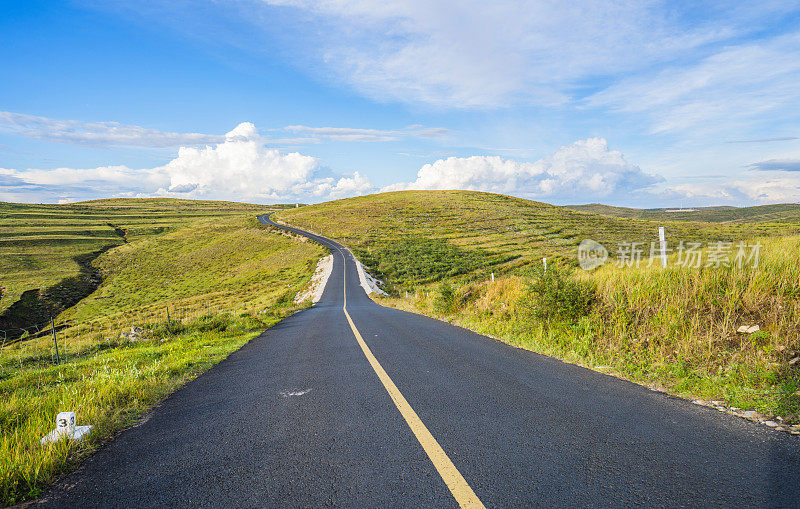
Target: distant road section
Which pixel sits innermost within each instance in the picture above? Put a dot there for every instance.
(352, 404)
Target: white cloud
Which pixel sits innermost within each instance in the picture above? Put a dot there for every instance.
(113, 134)
(471, 53)
(368, 135)
(243, 168)
(728, 89)
(743, 191)
(585, 170)
(240, 168)
(97, 133)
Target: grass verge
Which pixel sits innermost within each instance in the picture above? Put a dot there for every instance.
(109, 388)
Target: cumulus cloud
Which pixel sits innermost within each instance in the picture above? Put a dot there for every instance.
(238, 168)
(97, 133)
(586, 169)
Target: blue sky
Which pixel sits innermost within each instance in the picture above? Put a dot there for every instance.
(627, 103)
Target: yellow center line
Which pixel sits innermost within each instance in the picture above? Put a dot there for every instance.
(450, 475)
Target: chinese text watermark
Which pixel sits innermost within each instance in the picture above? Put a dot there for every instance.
(716, 254)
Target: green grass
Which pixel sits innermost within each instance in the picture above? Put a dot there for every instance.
(521, 231)
(108, 388)
(674, 327)
(220, 262)
(204, 277)
(412, 260)
(39, 243)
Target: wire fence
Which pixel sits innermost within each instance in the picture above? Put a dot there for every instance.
(54, 342)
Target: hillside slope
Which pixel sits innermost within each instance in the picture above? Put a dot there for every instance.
(40, 245)
(518, 231)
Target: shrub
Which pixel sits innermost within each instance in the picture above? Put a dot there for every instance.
(217, 323)
(286, 297)
(168, 328)
(247, 322)
(557, 293)
(411, 259)
(445, 300)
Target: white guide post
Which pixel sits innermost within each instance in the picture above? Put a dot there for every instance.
(66, 428)
(663, 244)
(544, 261)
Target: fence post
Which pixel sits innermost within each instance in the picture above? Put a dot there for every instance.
(663, 244)
(5, 338)
(53, 329)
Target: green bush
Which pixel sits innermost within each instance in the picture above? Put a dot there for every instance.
(445, 300)
(409, 260)
(247, 322)
(168, 328)
(557, 293)
(217, 323)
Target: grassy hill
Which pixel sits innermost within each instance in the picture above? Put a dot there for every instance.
(779, 213)
(512, 232)
(197, 279)
(40, 245)
(673, 327)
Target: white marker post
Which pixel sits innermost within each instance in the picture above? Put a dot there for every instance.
(544, 261)
(65, 422)
(66, 428)
(663, 243)
(492, 277)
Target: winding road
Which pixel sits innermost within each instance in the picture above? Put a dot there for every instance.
(352, 404)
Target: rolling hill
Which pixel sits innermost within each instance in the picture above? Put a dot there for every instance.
(514, 232)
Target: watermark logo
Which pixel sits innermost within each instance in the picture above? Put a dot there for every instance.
(591, 254)
(693, 255)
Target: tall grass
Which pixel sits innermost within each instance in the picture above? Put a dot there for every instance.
(108, 388)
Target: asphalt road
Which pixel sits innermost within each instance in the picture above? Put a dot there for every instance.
(301, 417)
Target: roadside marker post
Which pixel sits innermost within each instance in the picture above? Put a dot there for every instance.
(492, 277)
(66, 428)
(663, 244)
(544, 261)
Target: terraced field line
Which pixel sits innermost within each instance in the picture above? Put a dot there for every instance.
(455, 482)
